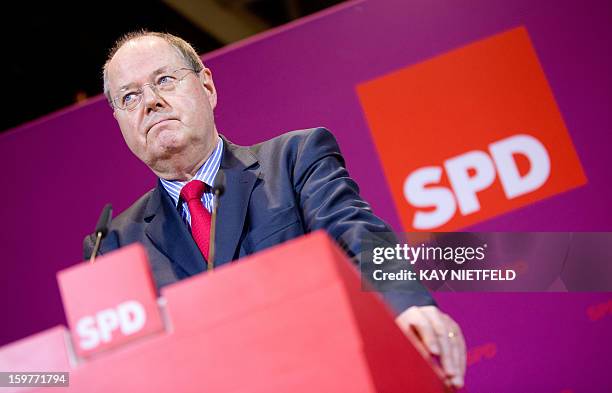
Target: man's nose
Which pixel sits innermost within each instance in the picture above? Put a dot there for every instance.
(152, 100)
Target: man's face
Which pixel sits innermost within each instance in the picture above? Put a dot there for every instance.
(168, 131)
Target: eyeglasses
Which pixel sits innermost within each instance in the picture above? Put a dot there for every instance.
(164, 83)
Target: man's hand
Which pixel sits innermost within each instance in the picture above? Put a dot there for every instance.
(441, 336)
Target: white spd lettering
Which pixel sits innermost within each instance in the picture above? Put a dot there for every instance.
(128, 317)
(471, 172)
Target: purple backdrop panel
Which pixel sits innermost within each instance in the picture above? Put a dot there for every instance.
(63, 168)
(528, 342)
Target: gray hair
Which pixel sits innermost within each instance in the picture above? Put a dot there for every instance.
(183, 47)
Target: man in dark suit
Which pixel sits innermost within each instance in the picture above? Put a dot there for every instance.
(163, 99)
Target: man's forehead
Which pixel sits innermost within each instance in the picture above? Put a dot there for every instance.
(141, 57)
(146, 45)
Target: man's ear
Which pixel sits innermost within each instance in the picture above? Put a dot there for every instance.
(209, 85)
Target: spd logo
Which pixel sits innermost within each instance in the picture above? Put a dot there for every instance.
(470, 134)
(127, 318)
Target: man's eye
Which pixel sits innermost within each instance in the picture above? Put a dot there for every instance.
(165, 79)
(129, 97)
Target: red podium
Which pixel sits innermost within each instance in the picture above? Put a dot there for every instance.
(290, 319)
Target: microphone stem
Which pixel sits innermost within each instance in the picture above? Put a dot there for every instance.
(96, 247)
(213, 224)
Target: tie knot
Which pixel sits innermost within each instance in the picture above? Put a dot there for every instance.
(193, 190)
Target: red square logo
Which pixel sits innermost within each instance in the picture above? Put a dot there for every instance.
(470, 134)
(111, 302)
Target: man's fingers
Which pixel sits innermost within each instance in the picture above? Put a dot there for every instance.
(441, 335)
(441, 330)
(462, 352)
(458, 351)
(453, 333)
(415, 319)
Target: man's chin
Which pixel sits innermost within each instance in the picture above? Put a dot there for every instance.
(169, 142)
(168, 151)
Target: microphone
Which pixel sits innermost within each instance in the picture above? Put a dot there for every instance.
(101, 229)
(219, 184)
(218, 190)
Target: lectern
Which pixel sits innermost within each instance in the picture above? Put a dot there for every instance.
(293, 318)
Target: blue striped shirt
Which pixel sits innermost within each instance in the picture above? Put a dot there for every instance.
(206, 173)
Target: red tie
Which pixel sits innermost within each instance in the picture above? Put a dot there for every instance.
(200, 217)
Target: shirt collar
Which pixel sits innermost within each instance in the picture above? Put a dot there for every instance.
(206, 173)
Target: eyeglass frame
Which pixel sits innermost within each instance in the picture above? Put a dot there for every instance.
(154, 88)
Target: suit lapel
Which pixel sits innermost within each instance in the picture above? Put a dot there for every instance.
(169, 234)
(241, 172)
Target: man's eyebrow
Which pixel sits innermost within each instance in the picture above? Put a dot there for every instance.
(158, 71)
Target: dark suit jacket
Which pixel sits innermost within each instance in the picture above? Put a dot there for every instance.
(275, 191)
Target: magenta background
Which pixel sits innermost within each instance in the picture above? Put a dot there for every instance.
(61, 170)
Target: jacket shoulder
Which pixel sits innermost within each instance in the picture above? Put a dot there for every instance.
(135, 213)
(317, 141)
(130, 218)
(296, 137)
